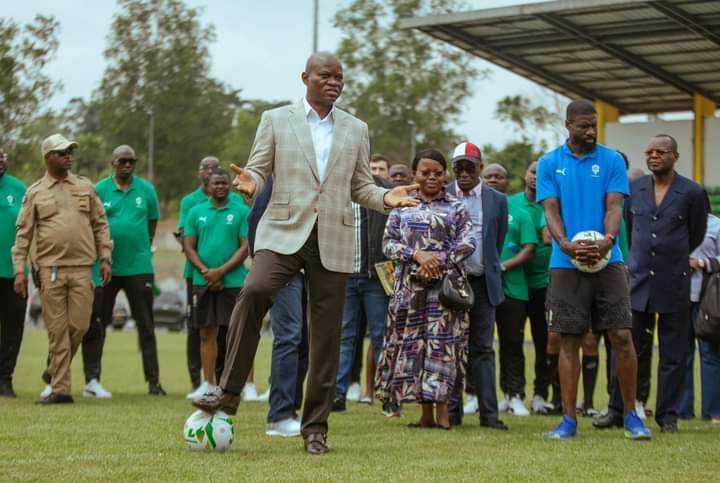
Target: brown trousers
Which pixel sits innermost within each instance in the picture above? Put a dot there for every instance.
(326, 293)
(66, 307)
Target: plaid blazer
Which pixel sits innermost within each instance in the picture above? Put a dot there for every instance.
(283, 148)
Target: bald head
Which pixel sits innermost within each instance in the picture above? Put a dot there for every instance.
(207, 165)
(495, 175)
(318, 59)
(323, 78)
(123, 160)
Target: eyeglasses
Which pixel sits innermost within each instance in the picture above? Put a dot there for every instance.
(126, 161)
(660, 152)
(464, 168)
(65, 152)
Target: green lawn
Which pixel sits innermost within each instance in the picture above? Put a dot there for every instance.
(137, 437)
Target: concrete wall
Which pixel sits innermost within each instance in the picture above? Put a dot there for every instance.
(632, 139)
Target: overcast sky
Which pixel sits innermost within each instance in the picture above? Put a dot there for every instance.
(261, 48)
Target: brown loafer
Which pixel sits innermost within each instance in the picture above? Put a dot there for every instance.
(224, 401)
(316, 444)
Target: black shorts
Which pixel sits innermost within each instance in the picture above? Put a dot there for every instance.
(578, 301)
(212, 309)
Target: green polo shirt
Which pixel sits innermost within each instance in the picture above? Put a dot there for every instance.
(187, 203)
(537, 272)
(520, 232)
(218, 232)
(12, 191)
(129, 213)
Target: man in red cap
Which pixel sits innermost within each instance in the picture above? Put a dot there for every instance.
(489, 213)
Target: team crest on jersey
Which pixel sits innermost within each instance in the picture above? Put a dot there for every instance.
(230, 219)
(595, 170)
(202, 218)
(107, 204)
(10, 199)
(510, 218)
(138, 201)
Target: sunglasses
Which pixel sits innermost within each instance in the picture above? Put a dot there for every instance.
(660, 152)
(65, 152)
(126, 161)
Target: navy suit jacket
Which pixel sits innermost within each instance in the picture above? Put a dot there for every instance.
(495, 222)
(256, 212)
(661, 241)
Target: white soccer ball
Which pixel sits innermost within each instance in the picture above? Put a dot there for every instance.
(591, 235)
(209, 432)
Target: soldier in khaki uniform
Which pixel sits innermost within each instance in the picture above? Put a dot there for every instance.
(64, 216)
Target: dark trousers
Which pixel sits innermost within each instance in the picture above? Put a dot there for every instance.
(192, 345)
(12, 325)
(94, 339)
(138, 289)
(510, 316)
(539, 331)
(359, 358)
(290, 350)
(481, 361)
(271, 272)
(673, 342)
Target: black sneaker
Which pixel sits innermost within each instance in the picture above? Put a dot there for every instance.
(338, 406)
(6, 389)
(54, 398)
(155, 389)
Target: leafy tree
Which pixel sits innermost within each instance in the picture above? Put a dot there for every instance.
(158, 64)
(400, 80)
(515, 157)
(24, 87)
(239, 140)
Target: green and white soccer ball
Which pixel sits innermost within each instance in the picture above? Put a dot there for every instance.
(208, 432)
(590, 235)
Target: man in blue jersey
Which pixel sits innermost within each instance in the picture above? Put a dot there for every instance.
(581, 185)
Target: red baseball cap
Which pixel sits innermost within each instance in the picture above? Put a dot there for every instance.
(467, 151)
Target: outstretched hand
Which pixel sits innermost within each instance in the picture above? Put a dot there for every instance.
(399, 196)
(243, 182)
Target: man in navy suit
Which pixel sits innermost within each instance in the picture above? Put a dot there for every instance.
(489, 213)
(666, 219)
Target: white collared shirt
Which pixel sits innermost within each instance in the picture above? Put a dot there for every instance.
(321, 131)
(473, 203)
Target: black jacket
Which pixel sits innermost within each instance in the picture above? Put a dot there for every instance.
(661, 241)
(376, 222)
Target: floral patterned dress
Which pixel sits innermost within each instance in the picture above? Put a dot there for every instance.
(424, 348)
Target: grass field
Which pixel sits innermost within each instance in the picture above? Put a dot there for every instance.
(136, 437)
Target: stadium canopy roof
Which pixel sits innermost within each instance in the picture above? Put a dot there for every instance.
(639, 56)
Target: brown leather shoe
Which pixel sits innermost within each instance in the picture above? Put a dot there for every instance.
(316, 444)
(219, 401)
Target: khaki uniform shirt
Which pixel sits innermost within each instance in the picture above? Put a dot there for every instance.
(67, 222)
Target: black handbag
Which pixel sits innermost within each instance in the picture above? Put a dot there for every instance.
(455, 297)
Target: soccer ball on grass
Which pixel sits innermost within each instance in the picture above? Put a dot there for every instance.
(208, 432)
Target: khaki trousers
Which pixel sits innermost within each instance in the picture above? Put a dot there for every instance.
(66, 306)
(326, 293)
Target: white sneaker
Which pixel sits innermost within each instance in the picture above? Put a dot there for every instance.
(250, 392)
(46, 391)
(503, 404)
(353, 392)
(538, 405)
(471, 406)
(516, 407)
(95, 389)
(202, 389)
(264, 396)
(640, 410)
(287, 428)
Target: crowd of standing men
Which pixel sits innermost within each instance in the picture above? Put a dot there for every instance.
(319, 235)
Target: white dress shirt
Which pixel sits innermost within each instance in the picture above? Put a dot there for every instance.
(321, 131)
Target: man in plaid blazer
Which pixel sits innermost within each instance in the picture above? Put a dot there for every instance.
(318, 156)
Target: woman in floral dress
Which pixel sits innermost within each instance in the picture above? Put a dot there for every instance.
(424, 349)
